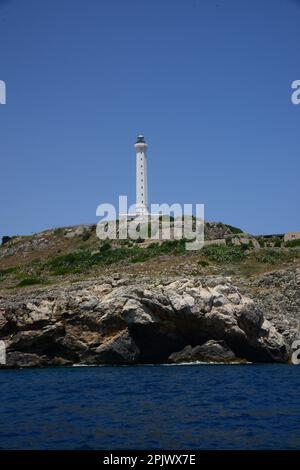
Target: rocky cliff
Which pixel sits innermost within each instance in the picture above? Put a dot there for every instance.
(128, 321)
(278, 295)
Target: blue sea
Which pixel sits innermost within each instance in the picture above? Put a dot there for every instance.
(151, 407)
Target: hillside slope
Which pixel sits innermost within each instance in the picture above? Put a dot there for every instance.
(75, 253)
(67, 298)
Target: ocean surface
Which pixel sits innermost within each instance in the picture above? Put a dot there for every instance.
(151, 407)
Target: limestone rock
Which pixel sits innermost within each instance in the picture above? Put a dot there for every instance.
(118, 321)
(17, 359)
(120, 349)
(211, 351)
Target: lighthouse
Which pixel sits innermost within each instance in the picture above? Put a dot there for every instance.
(141, 147)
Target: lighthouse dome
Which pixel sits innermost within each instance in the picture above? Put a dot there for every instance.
(140, 139)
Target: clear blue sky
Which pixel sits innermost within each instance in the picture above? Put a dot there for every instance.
(206, 81)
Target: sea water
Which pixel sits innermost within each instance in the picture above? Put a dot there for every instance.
(151, 407)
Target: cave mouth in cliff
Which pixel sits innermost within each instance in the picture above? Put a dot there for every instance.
(155, 343)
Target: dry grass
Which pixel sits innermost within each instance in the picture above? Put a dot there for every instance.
(31, 260)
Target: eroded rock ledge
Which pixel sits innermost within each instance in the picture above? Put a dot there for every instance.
(128, 322)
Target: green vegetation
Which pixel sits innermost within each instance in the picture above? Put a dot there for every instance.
(269, 242)
(3, 272)
(261, 241)
(6, 239)
(293, 243)
(203, 263)
(277, 242)
(272, 256)
(224, 253)
(86, 235)
(92, 255)
(29, 281)
(234, 229)
(83, 260)
(233, 254)
(58, 232)
(228, 241)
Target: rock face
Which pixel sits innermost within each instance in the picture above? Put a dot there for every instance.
(114, 321)
(278, 295)
(216, 351)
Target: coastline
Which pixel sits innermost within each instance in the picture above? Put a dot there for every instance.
(138, 321)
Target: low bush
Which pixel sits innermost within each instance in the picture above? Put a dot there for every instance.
(271, 256)
(29, 281)
(6, 239)
(234, 229)
(83, 260)
(203, 263)
(224, 253)
(86, 235)
(58, 232)
(293, 243)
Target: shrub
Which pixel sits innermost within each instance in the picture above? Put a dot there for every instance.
(29, 281)
(234, 229)
(58, 232)
(224, 253)
(86, 235)
(271, 256)
(261, 241)
(245, 246)
(105, 247)
(293, 243)
(172, 246)
(203, 263)
(277, 242)
(82, 260)
(5, 271)
(6, 239)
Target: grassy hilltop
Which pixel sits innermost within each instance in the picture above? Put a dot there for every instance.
(75, 253)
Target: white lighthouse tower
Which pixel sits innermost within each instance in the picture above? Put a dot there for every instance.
(141, 177)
